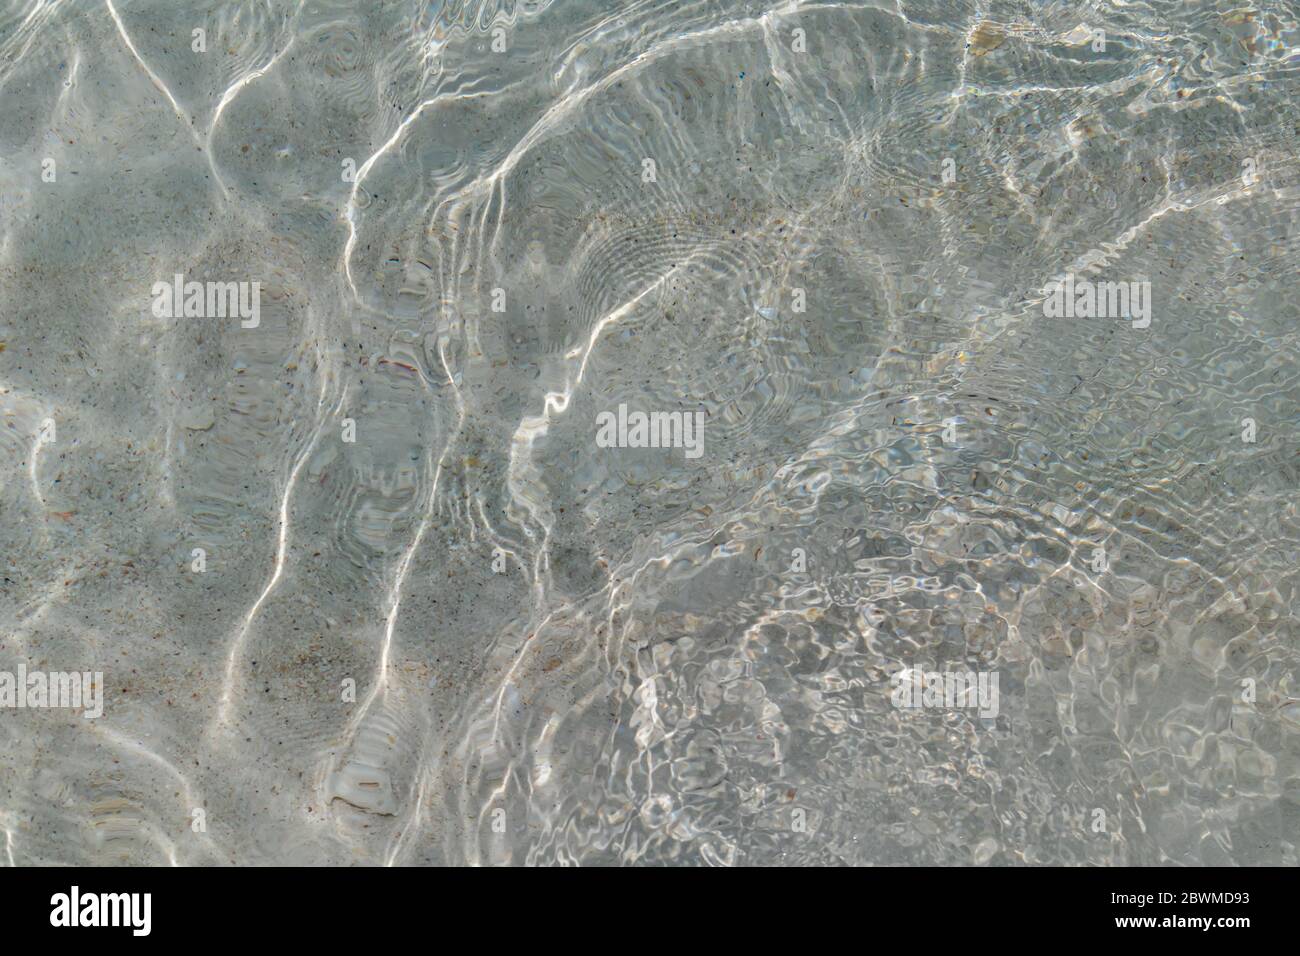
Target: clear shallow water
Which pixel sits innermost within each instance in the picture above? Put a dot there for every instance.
(564, 652)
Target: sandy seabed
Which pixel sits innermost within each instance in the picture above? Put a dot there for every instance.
(354, 580)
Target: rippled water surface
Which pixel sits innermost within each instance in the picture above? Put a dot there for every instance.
(365, 587)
